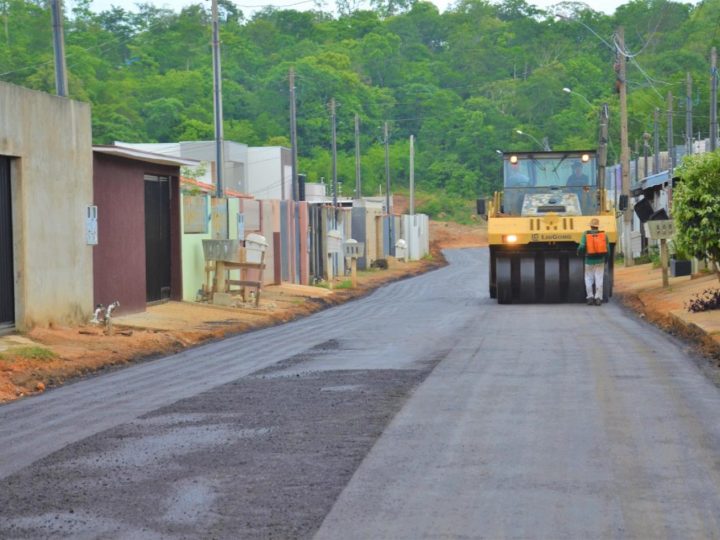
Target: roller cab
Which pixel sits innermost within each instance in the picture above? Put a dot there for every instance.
(536, 223)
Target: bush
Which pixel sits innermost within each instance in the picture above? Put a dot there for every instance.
(696, 207)
(709, 299)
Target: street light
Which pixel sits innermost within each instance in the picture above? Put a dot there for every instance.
(545, 146)
(566, 89)
(499, 152)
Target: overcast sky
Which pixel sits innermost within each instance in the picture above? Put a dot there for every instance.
(249, 6)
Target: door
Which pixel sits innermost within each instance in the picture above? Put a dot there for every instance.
(7, 286)
(157, 237)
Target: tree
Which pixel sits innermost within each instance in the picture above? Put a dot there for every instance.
(696, 207)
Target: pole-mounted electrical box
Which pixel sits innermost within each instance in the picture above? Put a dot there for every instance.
(91, 225)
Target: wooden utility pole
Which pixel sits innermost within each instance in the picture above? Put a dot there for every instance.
(713, 99)
(412, 175)
(688, 116)
(217, 102)
(61, 85)
(624, 148)
(293, 139)
(358, 171)
(334, 156)
(602, 155)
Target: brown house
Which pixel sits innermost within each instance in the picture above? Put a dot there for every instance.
(137, 259)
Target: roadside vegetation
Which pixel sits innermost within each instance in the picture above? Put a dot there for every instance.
(462, 81)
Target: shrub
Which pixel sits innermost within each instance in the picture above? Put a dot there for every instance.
(696, 207)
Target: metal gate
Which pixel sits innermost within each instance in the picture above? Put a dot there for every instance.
(7, 287)
(157, 237)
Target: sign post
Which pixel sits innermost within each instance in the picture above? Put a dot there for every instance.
(661, 230)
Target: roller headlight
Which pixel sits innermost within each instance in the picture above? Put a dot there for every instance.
(510, 238)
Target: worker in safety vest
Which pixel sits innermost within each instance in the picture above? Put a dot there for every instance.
(594, 244)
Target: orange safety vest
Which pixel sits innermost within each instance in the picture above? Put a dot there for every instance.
(595, 243)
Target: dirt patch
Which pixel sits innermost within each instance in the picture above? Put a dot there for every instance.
(168, 328)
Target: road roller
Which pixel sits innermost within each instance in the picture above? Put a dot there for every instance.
(536, 223)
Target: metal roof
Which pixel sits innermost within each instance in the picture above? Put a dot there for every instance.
(142, 155)
(651, 181)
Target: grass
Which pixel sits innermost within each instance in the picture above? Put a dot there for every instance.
(28, 353)
(346, 284)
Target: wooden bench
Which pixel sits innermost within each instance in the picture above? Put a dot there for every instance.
(244, 283)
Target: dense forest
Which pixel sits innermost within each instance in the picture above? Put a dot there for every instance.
(462, 82)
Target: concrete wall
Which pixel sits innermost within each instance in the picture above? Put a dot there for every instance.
(269, 172)
(193, 259)
(51, 175)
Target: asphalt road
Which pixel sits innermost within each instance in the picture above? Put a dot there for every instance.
(422, 411)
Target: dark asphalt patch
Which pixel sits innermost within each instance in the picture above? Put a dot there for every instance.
(256, 458)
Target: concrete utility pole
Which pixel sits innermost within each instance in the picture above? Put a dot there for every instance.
(293, 138)
(656, 142)
(387, 187)
(624, 148)
(358, 172)
(670, 135)
(334, 155)
(688, 116)
(713, 99)
(412, 175)
(61, 85)
(217, 102)
(646, 148)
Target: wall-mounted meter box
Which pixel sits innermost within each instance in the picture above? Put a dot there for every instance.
(91, 225)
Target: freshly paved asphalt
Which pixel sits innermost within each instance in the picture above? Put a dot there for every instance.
(545, 421)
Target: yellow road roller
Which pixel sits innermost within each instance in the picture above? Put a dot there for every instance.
(535, 225)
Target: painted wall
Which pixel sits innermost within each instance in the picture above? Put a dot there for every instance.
(51, 176)
(193, 258)
(119, 257)
(269, 172)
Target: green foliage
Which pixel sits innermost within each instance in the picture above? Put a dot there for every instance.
(442, 207)
(460, 81)
(696, 206)
(28, 352)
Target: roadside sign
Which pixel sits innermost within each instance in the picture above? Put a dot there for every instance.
(660, 230)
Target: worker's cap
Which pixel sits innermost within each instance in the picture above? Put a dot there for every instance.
(576, 164)
(594, 222)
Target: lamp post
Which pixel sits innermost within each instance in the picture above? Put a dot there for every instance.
(545, 146)
(570, 91)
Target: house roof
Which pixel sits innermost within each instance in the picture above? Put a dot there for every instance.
(142, 155)
(651, 181)
(210, 188)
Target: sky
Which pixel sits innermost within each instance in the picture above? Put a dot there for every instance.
(250, 6)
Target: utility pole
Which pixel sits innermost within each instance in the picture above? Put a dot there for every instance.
(387, 187)
(61, 85)
(334, 156)
(656, 142)
(412, 175)
(602, 155)
(624, 148)
(713, 99)
(646, 148)
(293, 138)
(688, 116)
(670, 135)
(358, 180)
(217, 102)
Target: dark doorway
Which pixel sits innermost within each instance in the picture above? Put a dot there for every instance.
(7, 286)
(157, 237)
